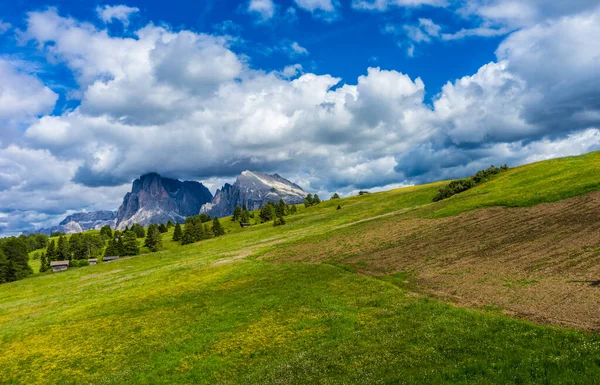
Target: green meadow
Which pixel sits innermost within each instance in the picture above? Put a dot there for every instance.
(214, 312)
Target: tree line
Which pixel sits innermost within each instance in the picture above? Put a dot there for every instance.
(461, 185)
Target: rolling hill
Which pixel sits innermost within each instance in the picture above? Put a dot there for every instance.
(498, 284)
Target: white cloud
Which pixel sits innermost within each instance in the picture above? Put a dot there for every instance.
(121, 13)
(298, 49)
(291, 71)
(384, 5)
(4, 27)
(22, 95)
(265, 9)
(184, 103)
(326, 10)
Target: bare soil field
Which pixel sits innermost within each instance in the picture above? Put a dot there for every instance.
(540, 263)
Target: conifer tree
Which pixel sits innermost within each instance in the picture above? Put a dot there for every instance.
(237, 214)
(130, 245)
(15, 250)
(316, 200)
(279, 221)
(8, 269)
(188, 233)
(267, 212)
(308, 201)
(43, 263)
(120, 246)
(153, 238)
(281, 209)
(111, 249)
(106, 232)
(199, 231)
(169, 224)
(335, 196)
(245, 216)
(177, 233)
(138, 230)
(217, 229)
(62, 249)
(207, 232)
(162, 228)
(51, 251)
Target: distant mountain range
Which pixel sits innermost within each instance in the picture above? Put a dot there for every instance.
(156, 199)
(253, 189)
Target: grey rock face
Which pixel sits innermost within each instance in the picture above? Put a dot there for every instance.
(154, 199)
(253, 189)
(79, 222)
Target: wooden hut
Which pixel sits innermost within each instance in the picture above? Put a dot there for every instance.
(110, 258)
(59, 265)
(244, 224)
(93, 261)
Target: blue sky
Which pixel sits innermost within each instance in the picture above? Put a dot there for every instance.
(337, 95)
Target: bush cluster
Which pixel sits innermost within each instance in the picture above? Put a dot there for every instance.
(461, 185)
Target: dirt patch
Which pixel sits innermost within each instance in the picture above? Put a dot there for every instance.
(541, 263)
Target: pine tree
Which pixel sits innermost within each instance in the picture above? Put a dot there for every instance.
(188, 233)
(43, 263)
(245, 216)
(335, 196)
(279, 221)
(169, 224)
(120, 246)
(8, 269)
(266, 213)
(138, 230)
(217, 229)
(16, 253)
(162, 228)
(62, 249)
(308, 201)
(177, 233)
(153, 238)
(51, 251)
(237, 214)
(111, 249)
(199, 232)
(130, 245)
(316, 200)
(281, 209)
(207, 232)
(106, 232)
(293, 209)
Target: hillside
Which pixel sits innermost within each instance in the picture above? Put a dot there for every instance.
(356, 295)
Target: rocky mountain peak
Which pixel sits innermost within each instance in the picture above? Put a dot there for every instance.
(156, 199)
(253, 189)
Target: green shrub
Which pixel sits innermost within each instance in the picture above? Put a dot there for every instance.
(461, 185)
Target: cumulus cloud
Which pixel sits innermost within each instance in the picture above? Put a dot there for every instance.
(121, 13)
(264, 9)
(185, 104)
(323, 9)
(22, 95)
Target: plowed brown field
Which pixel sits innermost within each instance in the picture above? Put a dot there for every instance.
(541, 263)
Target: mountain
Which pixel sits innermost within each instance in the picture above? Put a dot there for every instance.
(154, 199)
(78, 222)
(254, 189)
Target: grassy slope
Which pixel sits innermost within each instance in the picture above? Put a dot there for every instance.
(179, 317)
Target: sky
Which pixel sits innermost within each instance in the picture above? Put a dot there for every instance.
(336, 95)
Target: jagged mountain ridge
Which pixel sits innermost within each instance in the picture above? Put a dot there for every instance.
(155, 199)
(253, 189)
(79, 222)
